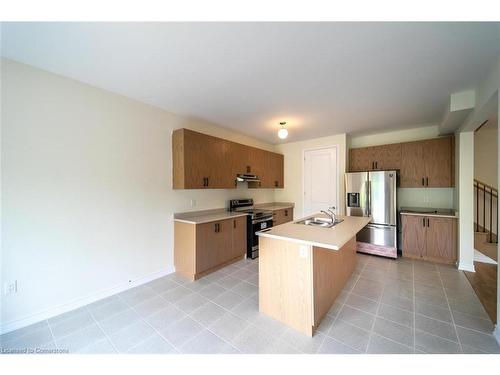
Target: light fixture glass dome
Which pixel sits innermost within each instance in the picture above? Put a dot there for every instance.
(283, 132)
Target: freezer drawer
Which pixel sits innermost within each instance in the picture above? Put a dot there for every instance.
(380, 235)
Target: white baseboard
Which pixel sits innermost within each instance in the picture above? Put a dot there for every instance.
(79, 302)
(496, 333)
(466, 267)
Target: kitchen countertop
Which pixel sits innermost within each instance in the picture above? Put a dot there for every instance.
(330, 238)
(207, 216)
(275, 206)
(429, 211)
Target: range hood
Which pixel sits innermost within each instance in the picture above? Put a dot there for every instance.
(247, 177)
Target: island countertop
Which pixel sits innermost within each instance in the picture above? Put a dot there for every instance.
(330, 238)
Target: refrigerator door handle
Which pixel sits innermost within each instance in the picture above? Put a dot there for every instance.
(369, 195)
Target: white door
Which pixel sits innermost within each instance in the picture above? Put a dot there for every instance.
(320, 180)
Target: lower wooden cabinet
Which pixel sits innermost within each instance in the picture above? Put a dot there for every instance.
(200, 249)
(430, 238)
(282, 216)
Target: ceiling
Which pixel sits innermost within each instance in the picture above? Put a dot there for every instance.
(322, 78)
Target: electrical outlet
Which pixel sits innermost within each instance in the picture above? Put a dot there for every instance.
(10, 287)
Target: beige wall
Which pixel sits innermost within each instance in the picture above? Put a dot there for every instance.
(486, 154)
(410, 197)
(424, 131)
(294, 169)
(87, 201)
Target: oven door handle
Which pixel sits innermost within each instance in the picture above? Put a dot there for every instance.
(261, 220)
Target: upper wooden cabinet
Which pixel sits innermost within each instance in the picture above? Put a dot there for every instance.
(387, 156)
(428, 163)
(361, 159)
(202, 161)
(375, 158)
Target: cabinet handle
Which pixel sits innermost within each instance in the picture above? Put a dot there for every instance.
(215, 228)
(207, 181)
(423, 181)
(423, 221)
(286, 212)
(427, 181)
(376, 165)
(275, 183)
(427, 222)
(234, 223)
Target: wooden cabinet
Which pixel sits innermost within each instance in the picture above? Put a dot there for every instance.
(277, 168)
(201, 161)
(413, 236)
(239, 236)
(438, 162)
(361, 159)
(200, 249)
(282, 216)
(214, 244)
(387, 156)
(375, 158)
(428, 163)
(430, 238)
(441, 239)
(412, 165)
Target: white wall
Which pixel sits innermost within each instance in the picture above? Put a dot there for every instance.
(410, 197)
(465, 161)
(294, 169)
(86, 190)
(486, 153)
(417, 133)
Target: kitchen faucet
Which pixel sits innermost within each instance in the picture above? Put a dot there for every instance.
(330, 214)
(331, 210)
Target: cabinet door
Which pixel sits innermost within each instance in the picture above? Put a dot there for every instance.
(282, 216)
(206, 162)
(361, 159)
(239, 246)
(438, 162)
(240, 158)
(206, 246)
(412, 165)
(277, 174)
(258, 164)
(441, 239)
(224, 242)
(413, 236)
(387, 156)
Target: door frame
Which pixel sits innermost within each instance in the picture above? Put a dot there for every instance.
(336, 148)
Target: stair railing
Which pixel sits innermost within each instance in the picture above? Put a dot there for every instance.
(484, 193)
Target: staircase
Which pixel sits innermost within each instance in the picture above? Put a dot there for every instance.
(482, 245)
(486, 220)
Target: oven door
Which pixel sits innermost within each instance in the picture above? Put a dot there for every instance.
(258, 225)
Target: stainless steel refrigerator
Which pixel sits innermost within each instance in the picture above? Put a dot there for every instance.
(373, 194)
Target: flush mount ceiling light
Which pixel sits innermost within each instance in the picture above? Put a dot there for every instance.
(283, 132)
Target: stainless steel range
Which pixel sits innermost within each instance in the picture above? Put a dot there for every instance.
(257, 219)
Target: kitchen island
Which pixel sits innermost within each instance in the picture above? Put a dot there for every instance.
(303, 268)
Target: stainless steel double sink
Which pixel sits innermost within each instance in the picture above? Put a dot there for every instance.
(319, 222)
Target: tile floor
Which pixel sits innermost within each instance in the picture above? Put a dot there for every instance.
(387, 306)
